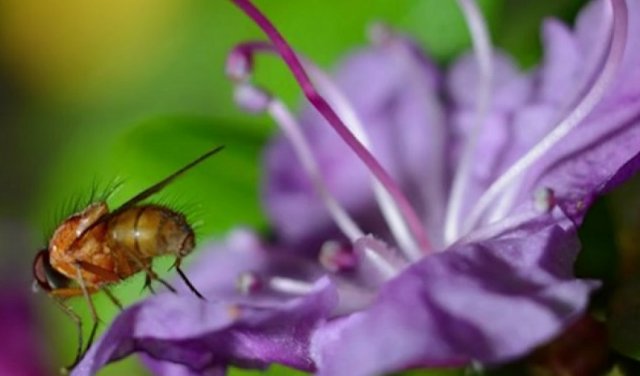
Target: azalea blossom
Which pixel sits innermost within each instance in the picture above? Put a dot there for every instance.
(423, 218)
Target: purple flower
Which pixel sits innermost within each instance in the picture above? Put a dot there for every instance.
(23, 346)
(21, 354)
(423, 218)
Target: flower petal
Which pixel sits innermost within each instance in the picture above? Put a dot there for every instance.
(591, 158)
(495, 149)
(560, 67)
(204, 335)
(489, 301)
(160, 368)
(253, 330)
(216, 270)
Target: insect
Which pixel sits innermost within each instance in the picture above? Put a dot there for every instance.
(95, 248)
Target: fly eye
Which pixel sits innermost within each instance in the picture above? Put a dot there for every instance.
(39, 270)
(45, 275)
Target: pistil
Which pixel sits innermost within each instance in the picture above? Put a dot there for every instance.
(298, 71)
(255, 99)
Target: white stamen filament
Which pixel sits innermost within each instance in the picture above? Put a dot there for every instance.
(383, 266)
(387, 205)
(484, 55)
(291, 129)
(505, 203)
(433, 195)
(290, 286)
(570, 122)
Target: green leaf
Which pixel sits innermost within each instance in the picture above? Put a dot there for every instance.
(223, 190)
(598, 258)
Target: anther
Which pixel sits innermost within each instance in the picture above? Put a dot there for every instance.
(336, 257)
(249, 283)
(289, 286)
(544, 199)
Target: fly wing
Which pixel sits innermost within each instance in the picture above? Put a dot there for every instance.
(150, 191)
(166, 181)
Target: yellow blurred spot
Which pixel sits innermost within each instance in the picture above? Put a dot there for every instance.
(75, 49)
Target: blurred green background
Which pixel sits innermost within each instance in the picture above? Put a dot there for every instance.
(133, 89)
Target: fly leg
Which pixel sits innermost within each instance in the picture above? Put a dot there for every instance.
(150, 274)
(147, 284)
(58, 295)
(112, 297)
(92, 310)
(186, 280)
(62, 293)
(153, 276)
(78, 322)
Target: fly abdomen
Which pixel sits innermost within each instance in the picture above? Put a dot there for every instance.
(150, 231)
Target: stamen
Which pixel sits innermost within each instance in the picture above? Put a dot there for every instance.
(406, 56)
(298, 71)
(386, 269)
(375, 253)
(336, 257)
(256, 100)
(618, 37)
(388, 207)
(253, 101)
(504, 204)
(484, 56)
(249, 283)
(290, 286)
(291, 128)
(544, 200)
